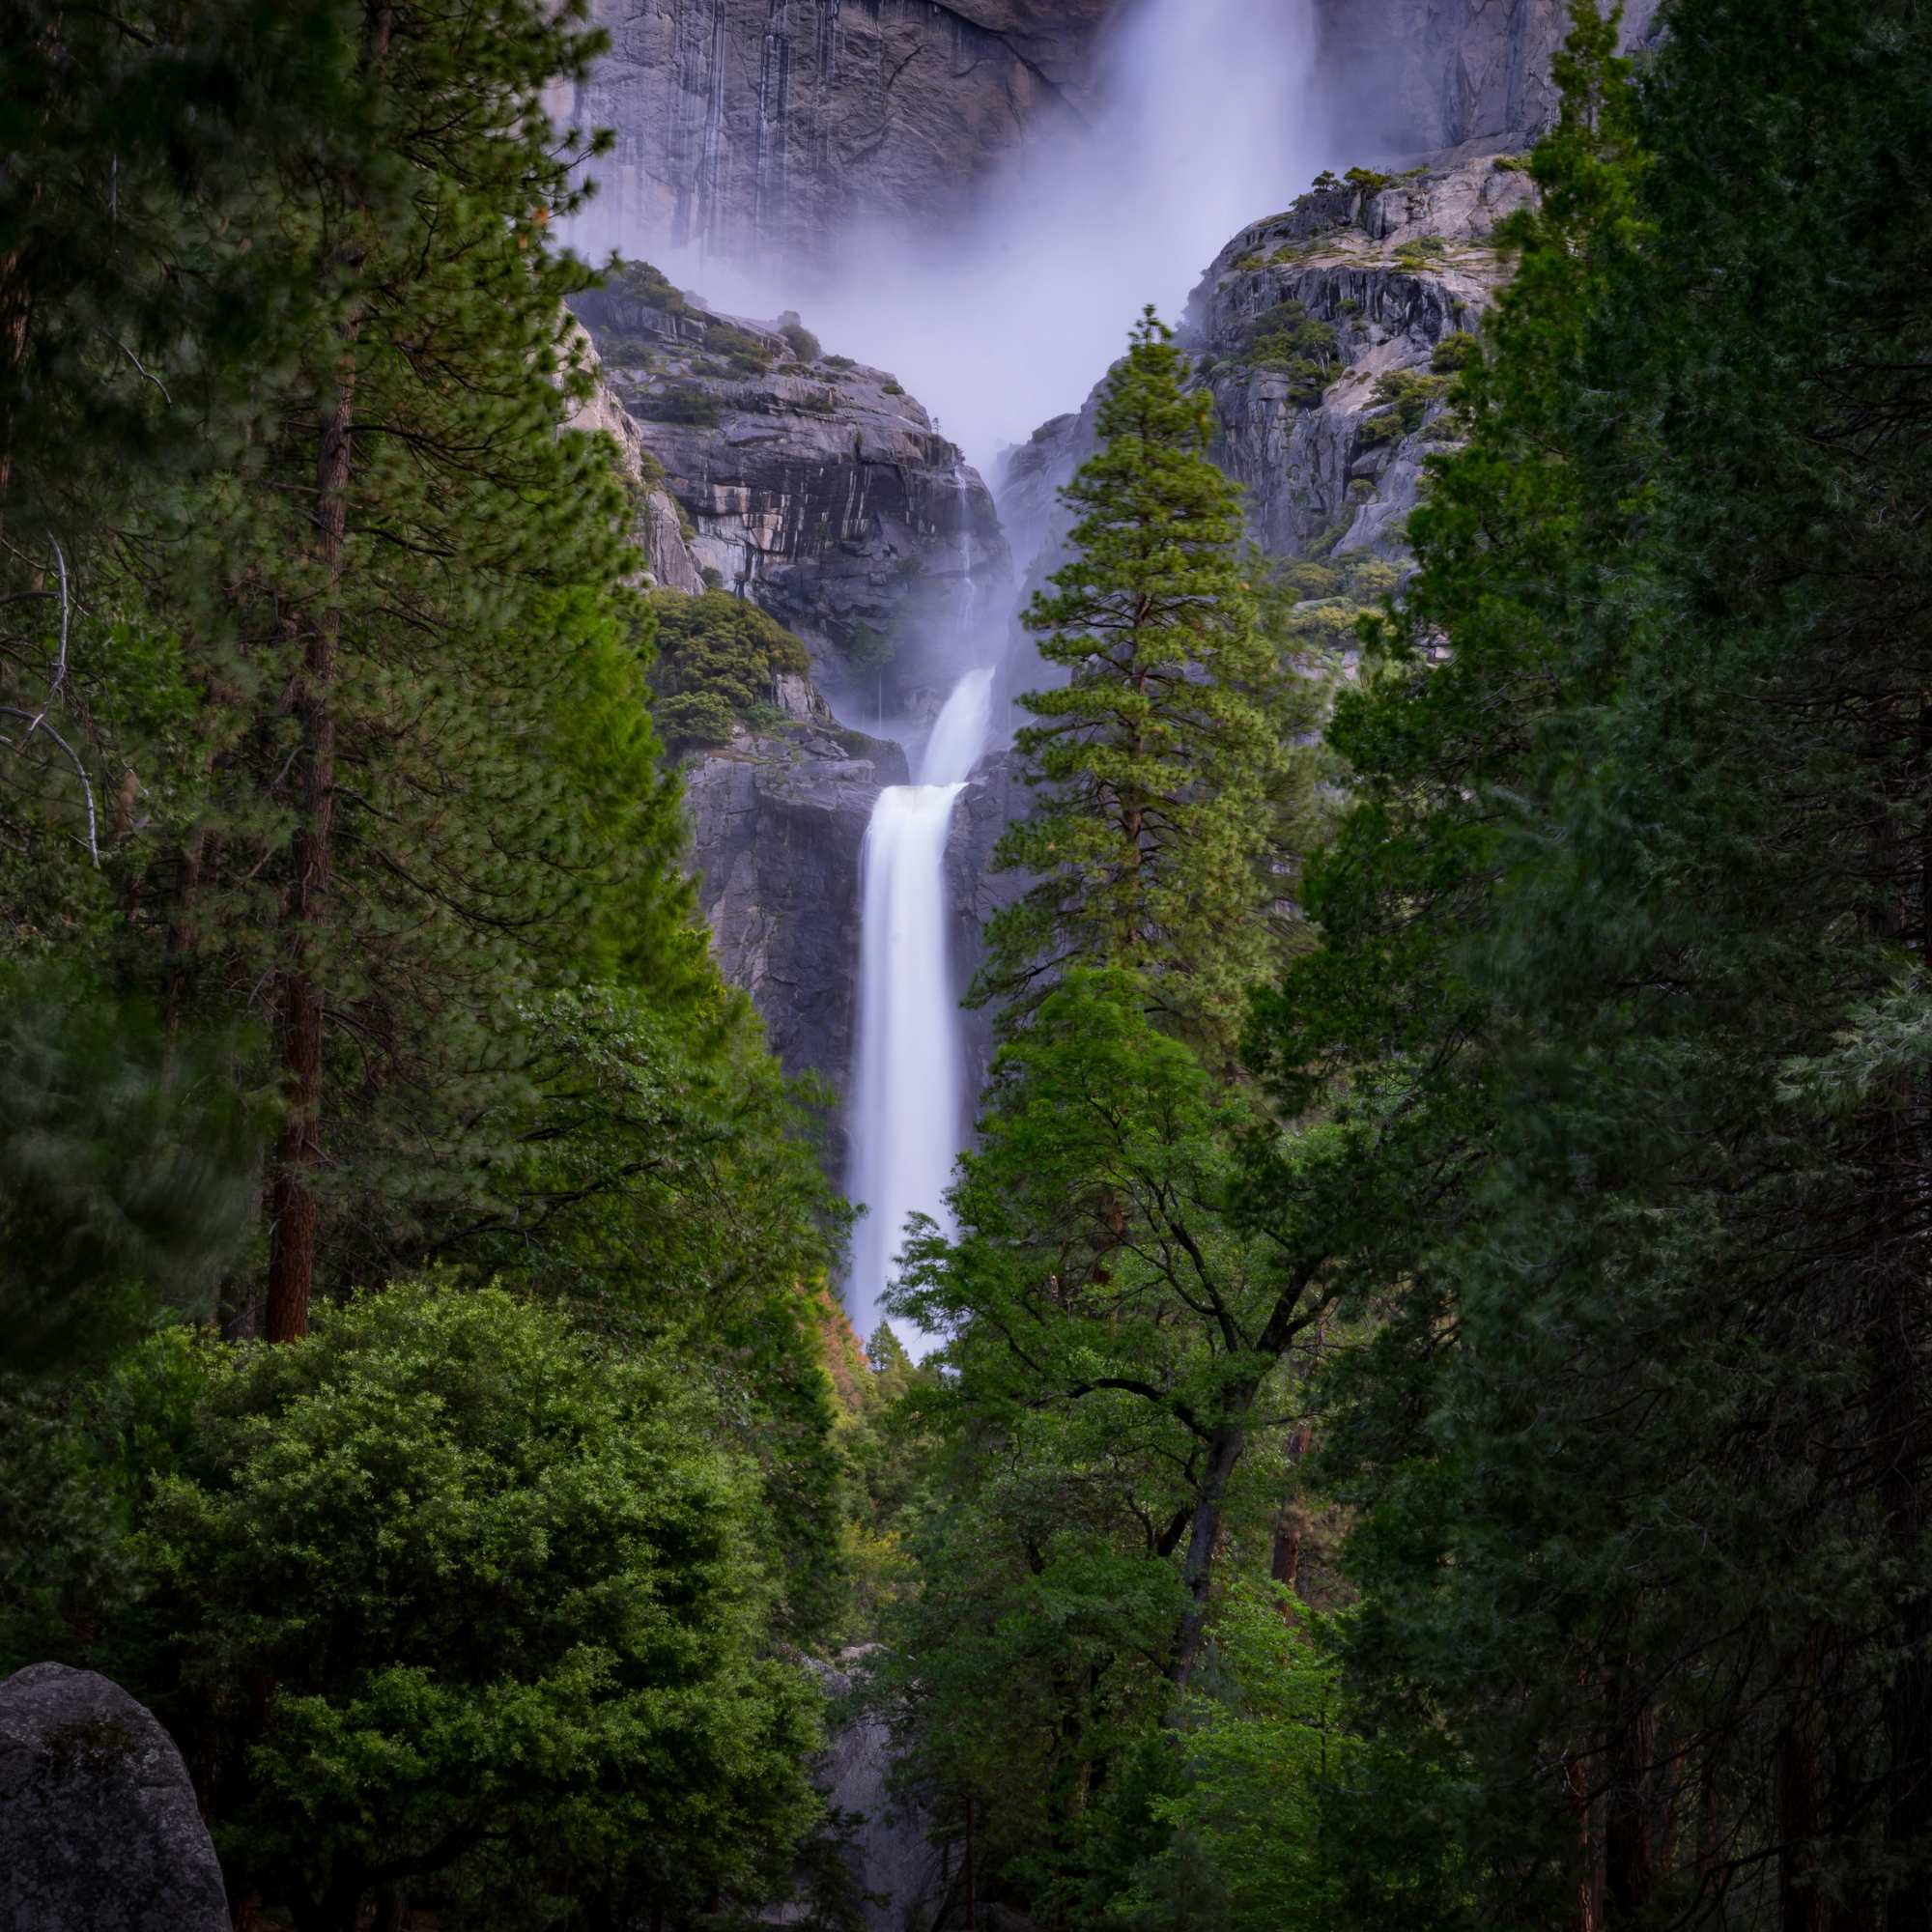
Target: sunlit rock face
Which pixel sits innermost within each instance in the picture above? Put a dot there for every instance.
(758, 128)
(1417, 76)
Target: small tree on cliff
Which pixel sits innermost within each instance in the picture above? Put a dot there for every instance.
(1162, 767)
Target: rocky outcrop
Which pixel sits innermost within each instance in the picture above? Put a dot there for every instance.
(659, 524)
(1417, 76)
(1328, 444)
(759, 128)
(778, 825)
(811, 484)
(99, 1831)
(1332, 467)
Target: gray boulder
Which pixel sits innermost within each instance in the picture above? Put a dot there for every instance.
(98, 1829)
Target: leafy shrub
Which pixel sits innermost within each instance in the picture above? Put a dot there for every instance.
(1287, 338)
(747, 355)
(1424, 253)
(718, 656)
(1409, 396)
(1454, 352)
(679, 402)
(894, 388)
(805, 345)
(643, 283)
(504, 1589)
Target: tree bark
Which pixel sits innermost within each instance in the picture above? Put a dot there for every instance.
(1224, 1452)
(294, 1209)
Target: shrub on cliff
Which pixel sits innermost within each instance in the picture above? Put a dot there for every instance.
(718, 656)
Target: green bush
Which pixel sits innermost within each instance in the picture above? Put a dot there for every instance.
(1287, 338)
(679, 402)
(718, 656)
(643, 283)
(1409, 395)
(1454, 352)
(746, 353)
(805, 345)
(448, 1575)
(894, 388)
(1422, 254)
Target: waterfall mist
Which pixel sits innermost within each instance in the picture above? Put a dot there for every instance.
(1197, 123)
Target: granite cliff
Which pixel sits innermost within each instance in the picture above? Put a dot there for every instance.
(757, 127)
(819, 490)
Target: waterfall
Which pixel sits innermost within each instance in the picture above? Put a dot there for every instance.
(908, 1107)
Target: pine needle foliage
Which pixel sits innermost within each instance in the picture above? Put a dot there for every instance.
(1158, 767)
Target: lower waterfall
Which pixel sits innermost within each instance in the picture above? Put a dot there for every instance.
(907, 1104)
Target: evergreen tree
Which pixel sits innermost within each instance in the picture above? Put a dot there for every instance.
(1630, 892)
(1161, 768)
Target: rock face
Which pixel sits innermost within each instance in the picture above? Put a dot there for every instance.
(778, 825)
(1415, 76)
(1331, 464)
(812, 485)
(99, 1831)
(906, 1878)
(757, 127)
(1392, 274)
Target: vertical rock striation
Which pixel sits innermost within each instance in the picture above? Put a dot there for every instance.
(1419, 76)
(757, 127)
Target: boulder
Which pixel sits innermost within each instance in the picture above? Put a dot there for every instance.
(98, 1829)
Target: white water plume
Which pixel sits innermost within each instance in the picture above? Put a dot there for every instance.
(907, 1103)
(1197, 123)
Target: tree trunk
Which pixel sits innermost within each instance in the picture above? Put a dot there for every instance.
(1630, 1848)
(293, 1207)
(1224, 1452)
(1800, 1908)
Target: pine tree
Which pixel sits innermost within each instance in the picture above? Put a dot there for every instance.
(1161, 768)
(1632, 896)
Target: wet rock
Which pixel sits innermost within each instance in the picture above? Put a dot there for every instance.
(778, 826)
(98, 1829)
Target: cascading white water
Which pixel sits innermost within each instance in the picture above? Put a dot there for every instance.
(906, 1099)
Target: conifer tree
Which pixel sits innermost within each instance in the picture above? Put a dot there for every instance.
(1159, 768)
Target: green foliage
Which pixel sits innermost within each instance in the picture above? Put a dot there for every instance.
(894, 390)
(1165, 771)
(1245, 1812)
(645, 284)
(1454, 354)
(717, 657)
(745, 354)
(680, 402)
(805, 345)
(1422, 254)
(556, 1657)
(1620, 945)
(1406, 396)
(127, 1178)
(1287, 338)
